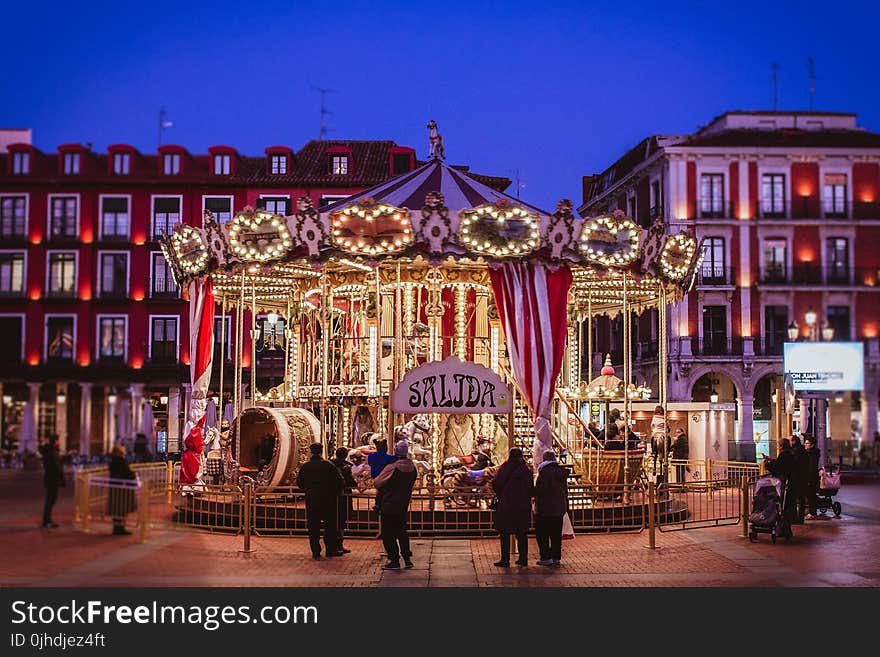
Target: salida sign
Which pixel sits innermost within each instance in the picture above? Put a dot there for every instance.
(451, 386)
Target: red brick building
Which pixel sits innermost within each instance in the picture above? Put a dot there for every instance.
(787, 205)
(91, 320)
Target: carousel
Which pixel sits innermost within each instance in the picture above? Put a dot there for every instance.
(391, 313)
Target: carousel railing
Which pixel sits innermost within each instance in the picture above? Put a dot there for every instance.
(589, 448)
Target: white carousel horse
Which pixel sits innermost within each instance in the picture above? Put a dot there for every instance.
(436, 141)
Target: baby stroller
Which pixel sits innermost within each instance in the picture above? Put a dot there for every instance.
(829, 486)
(767, 515)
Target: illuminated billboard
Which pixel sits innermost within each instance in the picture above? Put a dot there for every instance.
(825, 366)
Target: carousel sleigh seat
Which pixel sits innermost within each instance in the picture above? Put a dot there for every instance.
(610, 470)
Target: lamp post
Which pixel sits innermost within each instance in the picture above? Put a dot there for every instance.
(816, 402)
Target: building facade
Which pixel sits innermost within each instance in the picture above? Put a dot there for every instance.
(94, 329)
(787, 207)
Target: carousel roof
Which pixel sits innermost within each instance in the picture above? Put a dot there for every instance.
(460, 191)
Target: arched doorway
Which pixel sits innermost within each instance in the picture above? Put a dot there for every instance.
(723, 424)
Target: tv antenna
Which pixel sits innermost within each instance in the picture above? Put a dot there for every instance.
(812, 71)
(775, 67)
(519, 185)
(322, 132)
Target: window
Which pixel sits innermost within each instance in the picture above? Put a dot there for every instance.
(775, 260)
(71, 163)
(329, 199)
(166, 213)
(275, 204)
(838, 319)
(171, 164)
(656, 200)
(712, 271)
(111, 338)
(632, 208)
(11, 344)
(773, 195)
(339, 165)
(62, 275)
(834, 195)
(114, 274)
(278, 164)
(11, 274)
(221, 206)
(163, 339)
(221, 164)
(837, 259)
(714, 330)
(59, 338)
(222, 340)
(163, 284)
(63, 218)
(21, 163)
(400, 163)
(114, 218)
(712, 195)
(775, 329)
(12, 216)
(121, 164)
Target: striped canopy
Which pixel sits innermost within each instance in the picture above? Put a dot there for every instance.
(460, 191)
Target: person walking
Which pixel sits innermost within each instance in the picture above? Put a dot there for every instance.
(514, 489)
(799, 480)
(53, 478)
(344, 507)
(680, 452)
(395, 485)
(811, 479)
(322, 483)
(551, 504)
(121, 498)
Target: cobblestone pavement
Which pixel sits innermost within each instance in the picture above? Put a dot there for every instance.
(829, 552)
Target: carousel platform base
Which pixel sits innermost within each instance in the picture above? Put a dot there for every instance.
(450, 517)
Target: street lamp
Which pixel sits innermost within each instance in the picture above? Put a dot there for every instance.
(713, 396)
(827, 332)
(810, 317)
(61, 399)
(793, 331)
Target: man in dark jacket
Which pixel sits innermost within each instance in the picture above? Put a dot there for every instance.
(343, 508)
(798, 480)
(680, 451)
(395, 484)
(121, 497)
(322, 483)
(53, 478)
(551, 503)
(811, 479)
(514, 488)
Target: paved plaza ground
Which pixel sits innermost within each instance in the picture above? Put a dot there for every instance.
(828, 552)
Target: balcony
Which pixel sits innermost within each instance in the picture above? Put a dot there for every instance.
(113, 295)
(717, 346)
(716, 276)
(711, 208)
(769, 345)
(11, 294)
(807, 275)
(61, 294)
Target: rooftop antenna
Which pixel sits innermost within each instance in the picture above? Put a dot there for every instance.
(322, 132)
(519, 185)
(812, 81)
(775, 69)
(163, 124)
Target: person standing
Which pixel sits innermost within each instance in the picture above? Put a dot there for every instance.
(680, 452)
(377, 462)
(783, 467)
(121, 498)
(514, 489)
(395, 485)
(659, 438)
(53, 478)
(344, 507)
(551, 504)
(798, 488)
(811, 480)
(322, 483)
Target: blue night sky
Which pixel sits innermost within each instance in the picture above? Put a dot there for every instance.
(556, 90)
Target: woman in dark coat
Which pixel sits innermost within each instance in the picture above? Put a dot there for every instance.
(514, 488)
(121, 498)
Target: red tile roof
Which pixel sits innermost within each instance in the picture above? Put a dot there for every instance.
(788, 138)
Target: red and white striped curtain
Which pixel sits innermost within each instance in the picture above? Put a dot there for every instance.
(201, 353)
(532, 303)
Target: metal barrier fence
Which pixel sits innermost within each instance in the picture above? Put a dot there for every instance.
(281, 511)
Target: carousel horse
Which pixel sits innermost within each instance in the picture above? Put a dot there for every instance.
(417, 434)
(435, 140)
(468, 487)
